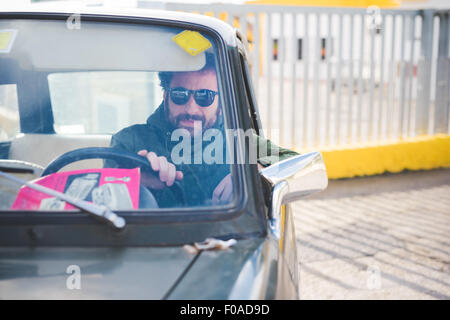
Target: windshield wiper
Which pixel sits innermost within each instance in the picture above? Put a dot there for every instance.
(92, 209)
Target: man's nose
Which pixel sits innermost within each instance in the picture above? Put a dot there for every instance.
(191, 106)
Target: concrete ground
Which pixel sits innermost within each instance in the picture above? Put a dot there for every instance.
(382, 237)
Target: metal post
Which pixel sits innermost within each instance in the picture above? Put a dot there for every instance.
(442, 78)
(372, 83)
(339, 82)
(391, 84)
(351, 83)
(294, 119)
(381, 84)
(411, 73)
(360, 81)
(316, 112)
(329, 66)
(281, 108)
(305, 56)
(269, 55)
(402, 126)
(256, 53)
(424, 73)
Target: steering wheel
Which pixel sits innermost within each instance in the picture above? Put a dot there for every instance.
(124, 158)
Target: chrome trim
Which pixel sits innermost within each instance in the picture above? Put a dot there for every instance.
(280, 190)
(21, 165)
(290, 167)
(292, 179)
(311, 178)
(303, 174)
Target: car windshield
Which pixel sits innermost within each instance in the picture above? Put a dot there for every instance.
(123, 115)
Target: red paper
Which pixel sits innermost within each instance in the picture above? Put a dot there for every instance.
(116, 188)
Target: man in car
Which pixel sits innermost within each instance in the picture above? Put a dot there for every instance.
(191, 106)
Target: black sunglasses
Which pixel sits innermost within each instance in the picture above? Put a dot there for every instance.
(203, 97)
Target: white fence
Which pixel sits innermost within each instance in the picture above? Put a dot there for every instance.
(340, 76)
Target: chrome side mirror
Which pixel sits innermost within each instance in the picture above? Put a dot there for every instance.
(292, 179)
(305, 174)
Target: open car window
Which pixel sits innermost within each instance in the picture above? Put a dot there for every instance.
(82, 103)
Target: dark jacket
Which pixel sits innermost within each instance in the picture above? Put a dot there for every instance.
(199, 180)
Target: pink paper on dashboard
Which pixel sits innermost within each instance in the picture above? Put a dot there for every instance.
(116, 188)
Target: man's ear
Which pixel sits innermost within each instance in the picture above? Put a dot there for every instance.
(166, 100)
(166, 103)
(219, 121)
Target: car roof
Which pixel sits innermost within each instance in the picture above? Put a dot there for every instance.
(227, 32)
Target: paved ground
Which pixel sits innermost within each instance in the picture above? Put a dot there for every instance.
(384, 237)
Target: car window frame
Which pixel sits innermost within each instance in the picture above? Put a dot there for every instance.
(248, 86)
(259, 191)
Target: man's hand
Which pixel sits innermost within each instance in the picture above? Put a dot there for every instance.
(223, 193)
(167, 171)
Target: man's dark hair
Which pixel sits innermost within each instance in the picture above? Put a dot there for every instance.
(166, 76)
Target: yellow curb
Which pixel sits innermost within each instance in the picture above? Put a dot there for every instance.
(420, 153)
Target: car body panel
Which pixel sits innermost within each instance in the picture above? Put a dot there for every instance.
(238, 268)
(261, 268)
(143, 273)
(105, 273)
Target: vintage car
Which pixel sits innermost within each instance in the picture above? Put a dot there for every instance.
(81, 93)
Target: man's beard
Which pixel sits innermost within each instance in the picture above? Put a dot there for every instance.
(175, 122)
(188, 117)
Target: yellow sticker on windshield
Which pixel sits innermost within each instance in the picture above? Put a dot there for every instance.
(192, 42)
(6, 40)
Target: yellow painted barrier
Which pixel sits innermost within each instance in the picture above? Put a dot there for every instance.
(424, 152)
